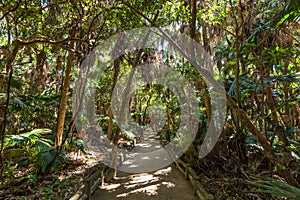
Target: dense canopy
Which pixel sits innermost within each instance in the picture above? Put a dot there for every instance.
(47, 47)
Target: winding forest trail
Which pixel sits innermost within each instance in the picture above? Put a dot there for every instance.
(165, 184)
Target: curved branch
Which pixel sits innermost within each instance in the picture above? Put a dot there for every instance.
(12, 10)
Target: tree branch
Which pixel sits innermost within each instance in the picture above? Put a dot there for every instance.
(46, 40)
(9, 11)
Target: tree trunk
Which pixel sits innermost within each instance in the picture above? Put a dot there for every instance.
(64, 97)
(260, 137)
(9, 71)
(114, 136)
(110, 121)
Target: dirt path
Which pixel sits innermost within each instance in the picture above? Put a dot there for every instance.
(147, 156)
(165, 184)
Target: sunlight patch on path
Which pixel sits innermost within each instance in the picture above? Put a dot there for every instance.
(165, 184)
(146, 155)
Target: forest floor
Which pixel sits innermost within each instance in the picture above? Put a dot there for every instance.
(166, 183)
(225, 179)
(60, 184)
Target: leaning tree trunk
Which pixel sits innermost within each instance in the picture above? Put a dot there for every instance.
(64, 97)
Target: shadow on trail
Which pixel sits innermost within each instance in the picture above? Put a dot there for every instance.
(148, 155)
(166, 183)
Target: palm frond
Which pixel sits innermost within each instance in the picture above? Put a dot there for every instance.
(276, 187)
(20, 103)
(43, 159)
(291, 12)
(43, 145)
(28, 138)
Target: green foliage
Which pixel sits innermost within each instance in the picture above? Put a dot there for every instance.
(104, 124)
(277, 188)
(29, 139)
(35, 146)
(73, 144)
(291, 12)
(166, 135)
(174, 12)
(44, 157)
(252, 42)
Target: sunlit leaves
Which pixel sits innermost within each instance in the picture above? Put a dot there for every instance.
(174, 11)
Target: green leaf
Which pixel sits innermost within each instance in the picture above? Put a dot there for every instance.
(275, 187)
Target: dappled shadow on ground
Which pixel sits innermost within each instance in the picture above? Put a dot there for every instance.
(163, 184)
(146, 156)
(59, 184)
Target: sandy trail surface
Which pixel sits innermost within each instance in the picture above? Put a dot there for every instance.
(139, 182)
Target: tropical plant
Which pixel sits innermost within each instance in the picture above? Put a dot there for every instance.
(35, 146)
(276, 187)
